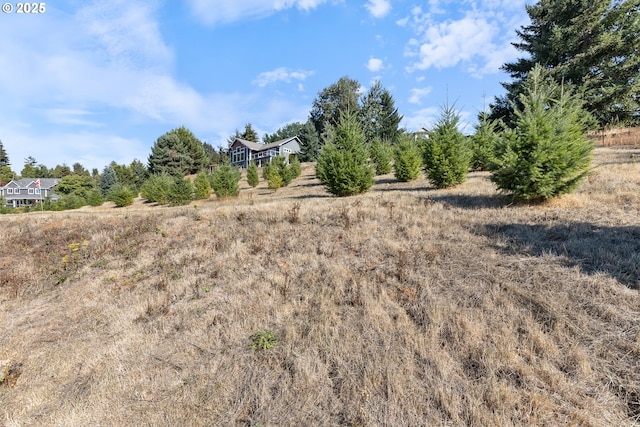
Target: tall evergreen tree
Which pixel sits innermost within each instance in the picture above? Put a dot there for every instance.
(198, 159)
(343, 166)
(4, 158)
(333, 101)
(252, 175)
(309, 142)
(29, 169)
(108, 179)
(168, 155)
(548, 152)
(446, 155)
(249, 133)
(380, 118)
(591, 44)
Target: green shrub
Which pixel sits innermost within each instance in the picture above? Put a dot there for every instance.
(280, 167)
(407, 159)
(252, 175)
(156, 188)
(275, 181)
(446, 154)
(343, 166)
(180, 192)
(295, 169)
(94, 198)
(225, 181)
(120, 195)
(201, 186)
(381, 155)
(70, 201)
(263, 340)
(548, 153)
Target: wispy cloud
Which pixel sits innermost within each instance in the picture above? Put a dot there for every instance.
(225, 11)
(418, 94)
(378, 8)
(281, 74)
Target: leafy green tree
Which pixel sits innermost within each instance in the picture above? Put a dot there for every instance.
(343, 166)
(252, 175)
(69, 201)
(75, 184)
(201, 186)
(381, 154)
(60, 171)
(29, 169)
(548, 152)
(446, 155)
(180, 192)
(380, 117)
(94, 198)
(156, 188)
(120, 195)
(309, 142)
(78, 169)
(225, 181)
(107, 180)
(4, 158)
(41, 171)
(407, 159)
(193, 148)
(590, 44)
(332, 102)
(483, 143)
(288, 131)
(6, 174)
(169, 155)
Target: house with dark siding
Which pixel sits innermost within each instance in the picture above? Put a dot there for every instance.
(28, 191)
(243, 152)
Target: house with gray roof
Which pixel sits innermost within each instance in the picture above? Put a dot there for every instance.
(28, 191)
(243, 152)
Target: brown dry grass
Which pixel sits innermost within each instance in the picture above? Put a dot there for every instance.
(617, 137)
(405, 306)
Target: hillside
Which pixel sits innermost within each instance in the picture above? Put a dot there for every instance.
(406, 306)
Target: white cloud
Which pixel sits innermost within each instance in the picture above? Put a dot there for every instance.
(425, 117)
(378, 8)
(225, 11)
(280, 74)
(375, 64)
(417, 94)
(479, 39)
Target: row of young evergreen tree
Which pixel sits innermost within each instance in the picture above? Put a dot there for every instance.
(546, 153)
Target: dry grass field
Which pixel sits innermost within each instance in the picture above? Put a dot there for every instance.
(405, 306)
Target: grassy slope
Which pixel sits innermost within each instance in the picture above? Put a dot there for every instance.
(403, 306)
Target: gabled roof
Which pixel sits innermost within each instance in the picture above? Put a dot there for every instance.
(260, 147)
(31, 182)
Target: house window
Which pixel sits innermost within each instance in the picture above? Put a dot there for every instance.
(30, 191)
(238, 155)
(9, 190)
(37, 191)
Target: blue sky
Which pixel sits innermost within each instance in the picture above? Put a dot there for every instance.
(93, 82)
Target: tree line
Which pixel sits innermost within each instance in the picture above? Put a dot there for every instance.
(579, 72)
